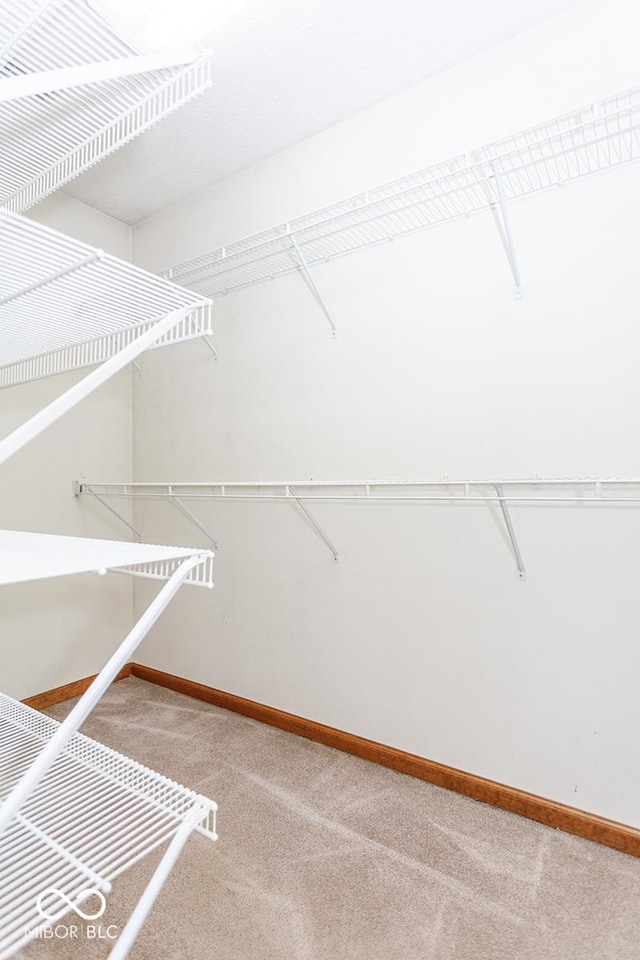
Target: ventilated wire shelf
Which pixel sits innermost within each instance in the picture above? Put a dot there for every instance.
(65, 305)
(95, 815)
(37, 556)
(612, 492)
(599, 490)
(201, 576)
(49, 138)
(97, 350)
(575, 145)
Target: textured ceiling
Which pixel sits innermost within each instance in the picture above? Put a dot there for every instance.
(284, 70)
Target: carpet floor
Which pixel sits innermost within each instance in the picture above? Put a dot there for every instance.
(323, 856)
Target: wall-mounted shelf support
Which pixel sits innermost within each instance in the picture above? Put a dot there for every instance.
(314, 523)
(70, 398)
(603, 493)
(506, 226)
(209, 342)
(304, 266)
(119, 516)
(185, 509)
(506, 516)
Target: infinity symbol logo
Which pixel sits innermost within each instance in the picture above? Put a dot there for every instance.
(85, 894)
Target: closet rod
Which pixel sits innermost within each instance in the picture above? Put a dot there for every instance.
(570, 490)
(559, 491)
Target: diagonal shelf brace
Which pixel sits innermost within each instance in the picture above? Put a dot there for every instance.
(209, 342)
(70, 398)
(127, 937)
(74, 720)
(506, 516)
(314, 523)
(112, 510)
(304, 266)
(506, 224)
(185, 509)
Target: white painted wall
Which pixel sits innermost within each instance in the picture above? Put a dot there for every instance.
(57, 631)
(421, 637)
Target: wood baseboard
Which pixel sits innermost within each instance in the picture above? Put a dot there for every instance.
(552, 814)
(59, 694)
(609, 833)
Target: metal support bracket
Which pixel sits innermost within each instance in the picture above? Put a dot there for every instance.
(74, 720)
(70, 398)
(134, 530)
(185, 509)
(314, 523)
(304, 266)
(209, 342)
(506, 516)
(506, 225)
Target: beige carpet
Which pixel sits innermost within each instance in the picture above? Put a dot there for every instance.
(326, 857)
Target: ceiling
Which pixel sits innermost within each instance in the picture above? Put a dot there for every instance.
(284, 70)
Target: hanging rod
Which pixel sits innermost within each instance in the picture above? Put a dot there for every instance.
(578, 144)
(577, 491)
(586, 490)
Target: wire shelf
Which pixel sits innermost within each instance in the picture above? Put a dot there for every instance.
(66, 305)
(49, 138)
(601, 492)
(575, 145)
(200, 576)
(94, 815)
(26, 557)
(524, 490)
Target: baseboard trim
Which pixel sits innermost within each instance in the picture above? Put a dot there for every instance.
(590, 826)
(69, 690)
(600, 830)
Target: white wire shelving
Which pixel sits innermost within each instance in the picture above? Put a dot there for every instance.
(73, 90)
(25, 557)
(74, 815)
(65, 305)
(578, 144)
(601, 491)
(94, 815)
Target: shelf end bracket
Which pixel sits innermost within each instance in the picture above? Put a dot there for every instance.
(314, 523)
(209, 342)
(506, 516)
(185, 509)
(304, 266)
(85, 489)
(506, 225)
